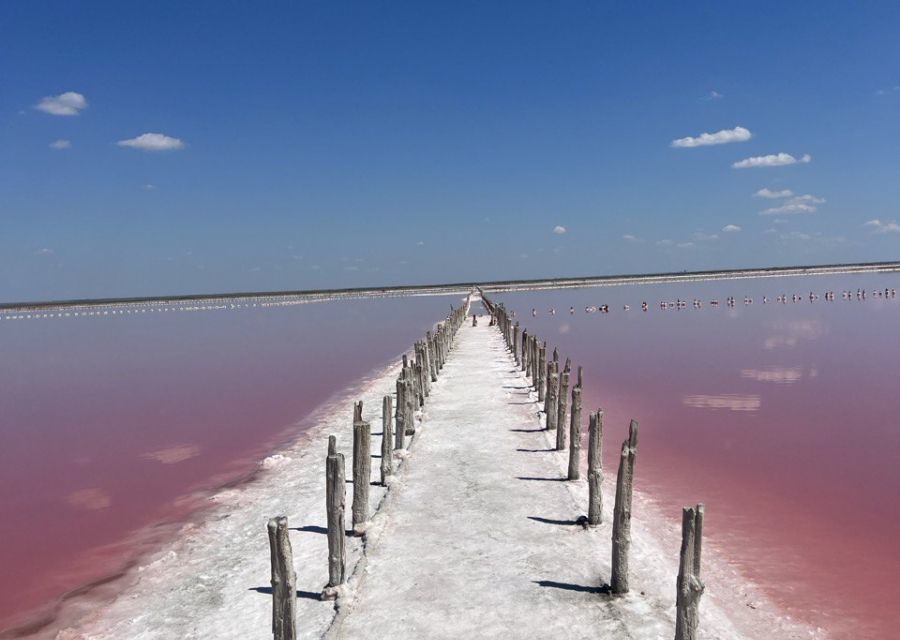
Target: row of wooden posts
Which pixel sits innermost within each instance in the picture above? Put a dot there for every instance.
(552, 388)
(398, 422)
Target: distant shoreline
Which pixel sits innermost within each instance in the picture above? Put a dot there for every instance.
(321, 295)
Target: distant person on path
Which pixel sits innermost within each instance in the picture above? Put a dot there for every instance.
(474, 320)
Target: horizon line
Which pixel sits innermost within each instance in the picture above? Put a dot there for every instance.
(565, 282)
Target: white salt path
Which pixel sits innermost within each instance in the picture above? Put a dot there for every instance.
(475, 538)
(480, 539)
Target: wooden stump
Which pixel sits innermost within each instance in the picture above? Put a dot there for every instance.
(621, 534)
(335, 496)
(552, 391)
(357, 411)
(542, 373)
(689, 585)
(400, 430)
(284, 589)
(562, 407)
(362, 476)
(595, 469)
(575, 436)
(387, 454)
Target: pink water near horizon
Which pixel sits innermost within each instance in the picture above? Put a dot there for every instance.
(781, 418)
(113, 425)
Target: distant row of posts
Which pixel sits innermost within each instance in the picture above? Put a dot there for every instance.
(398, 422)
(552, 388)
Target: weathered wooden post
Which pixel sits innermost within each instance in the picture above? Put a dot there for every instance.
(580, 378)
(562, 406)
(575, 436)
(335, 496)
(552, 400)
(429, 343)
(357, 411)
(621, 533)
(400, 430)
(689, 585)
(524, 359)
(362, 475)
(387, 454)
(284, 591)
(542, 373)
(515, 343)
(409, 395)
(595, 469)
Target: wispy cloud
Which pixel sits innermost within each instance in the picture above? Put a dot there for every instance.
(730, 228)
(61, 144)
(44, 251)
(773, 160)
(729, 401)
(699, 236)
(152, 142)
(725, 136)
(775, 375)
(69, 103)
(765, 192)
(888, 91)
(713, 95)
(883, 227)
(798, 204)
(665, 242)
(684, 245)
(631, 238)
(149, 187)
(559, 229)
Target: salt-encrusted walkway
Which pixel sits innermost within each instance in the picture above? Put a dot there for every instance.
(480, 539)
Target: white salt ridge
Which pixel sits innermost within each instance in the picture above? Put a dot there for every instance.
(452, 552)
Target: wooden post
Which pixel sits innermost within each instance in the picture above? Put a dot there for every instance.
(362, 475)
(575, 436)
(690, 587)
(552, 391)
(542, 373)
(409, 395)
(515, 343)
(357, 411)
(335, 496)
(524, 348)
(429, 343)
(595, 469)
(284, 589)
(562, 406)
(621, 534)
(387, 454)
(400, 430)
(580, 378)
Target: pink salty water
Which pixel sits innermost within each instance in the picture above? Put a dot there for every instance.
(113, 425)
(783, 418)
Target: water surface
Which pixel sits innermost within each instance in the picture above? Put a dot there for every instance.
(781, 417)
(116, 422)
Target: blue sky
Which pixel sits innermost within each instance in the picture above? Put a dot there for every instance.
(350, 144)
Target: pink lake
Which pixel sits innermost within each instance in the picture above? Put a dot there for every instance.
(784, 418)
(112, 426)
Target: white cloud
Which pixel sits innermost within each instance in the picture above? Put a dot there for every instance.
(713, 95)
(883, 227)
(776, 375)
(796, 235)
(730, 228)
(773, 160)
(738, 134)
(559, 230)
(420, 243)
(798, 204)
(684, 245)
(664, 243)
(765, 192)
(45, 251)
(888, 91)
(65, 104)
(732, 402)
(149, 187)
(152, 142)
(61, 144)
(631, 238)
(699, 236)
